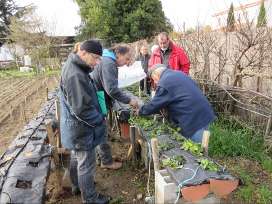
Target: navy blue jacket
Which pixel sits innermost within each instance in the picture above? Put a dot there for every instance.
(82, 124)
(186, 105)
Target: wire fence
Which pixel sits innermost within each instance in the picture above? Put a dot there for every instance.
(248, 107)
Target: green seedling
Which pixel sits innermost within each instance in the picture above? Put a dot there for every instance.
(174, 162)
(206, 164)
(192, 147)
(165, 146)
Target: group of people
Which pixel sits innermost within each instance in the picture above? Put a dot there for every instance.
(83, 126)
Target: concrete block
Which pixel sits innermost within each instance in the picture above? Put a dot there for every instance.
(166, 191)
(165, 188)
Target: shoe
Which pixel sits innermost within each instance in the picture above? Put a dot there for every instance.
(75, 191)
(100, 199)
(114, 166)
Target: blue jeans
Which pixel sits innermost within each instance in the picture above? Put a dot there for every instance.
(82, 171)
(197, 136)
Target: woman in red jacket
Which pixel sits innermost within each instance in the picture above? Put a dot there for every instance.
(170, 55)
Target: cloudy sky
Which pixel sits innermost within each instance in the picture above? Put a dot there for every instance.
(62, 15)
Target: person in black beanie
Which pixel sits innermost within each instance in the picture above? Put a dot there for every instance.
(82, 124)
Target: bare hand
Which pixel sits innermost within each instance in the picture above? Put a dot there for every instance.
(134, 103)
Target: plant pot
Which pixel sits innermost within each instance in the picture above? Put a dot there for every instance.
(124, 128)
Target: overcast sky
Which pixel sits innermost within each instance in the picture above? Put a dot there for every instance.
(62, 15)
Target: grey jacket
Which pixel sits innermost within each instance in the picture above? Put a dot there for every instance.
(82, 124)
(105, 77)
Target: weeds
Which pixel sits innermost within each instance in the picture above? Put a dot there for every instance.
(231, 140)
(267, 164)
(118, 200)
(264, 195)
(246, 193)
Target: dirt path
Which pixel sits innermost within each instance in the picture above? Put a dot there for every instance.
(123, 185)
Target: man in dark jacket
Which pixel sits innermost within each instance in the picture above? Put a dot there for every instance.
(170, 55)
(82, 124)
(187, 107)
(105, 77)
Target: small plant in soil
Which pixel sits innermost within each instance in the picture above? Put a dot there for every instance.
(194, 148)
(165, 146)
(206, 164)
(174, 162)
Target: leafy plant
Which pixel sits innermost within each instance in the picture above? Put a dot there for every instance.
(174, 162)
(194, 148)
(208, 165)
(165, 146)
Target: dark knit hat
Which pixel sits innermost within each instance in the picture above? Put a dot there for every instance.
(92, 46)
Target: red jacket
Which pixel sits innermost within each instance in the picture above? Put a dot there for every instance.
(178, 59)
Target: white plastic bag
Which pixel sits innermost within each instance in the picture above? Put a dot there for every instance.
(130, 75)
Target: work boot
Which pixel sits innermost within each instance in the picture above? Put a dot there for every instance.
(75, 191)
(114, 166)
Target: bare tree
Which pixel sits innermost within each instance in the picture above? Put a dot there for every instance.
(29, 32)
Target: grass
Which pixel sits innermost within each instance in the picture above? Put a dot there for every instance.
(264, 195)
(117, 200)
(231, 140)
(17, 73)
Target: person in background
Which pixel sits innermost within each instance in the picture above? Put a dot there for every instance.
(154, 47)
(170, 55)
(105, 78)
(82, 124)
(184, 102)
(144, 58)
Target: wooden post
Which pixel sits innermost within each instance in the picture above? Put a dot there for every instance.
(132, 134)
(268, 127)
(57, 115)
(22, 113)
(46, 92)
(155, 153)
(11, 113)
(140, 93)
(205, 141)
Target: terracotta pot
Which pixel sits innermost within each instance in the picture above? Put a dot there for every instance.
(222, 188)
(195, 193)
(124, 127)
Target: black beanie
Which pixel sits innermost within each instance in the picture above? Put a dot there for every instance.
(92, 46)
